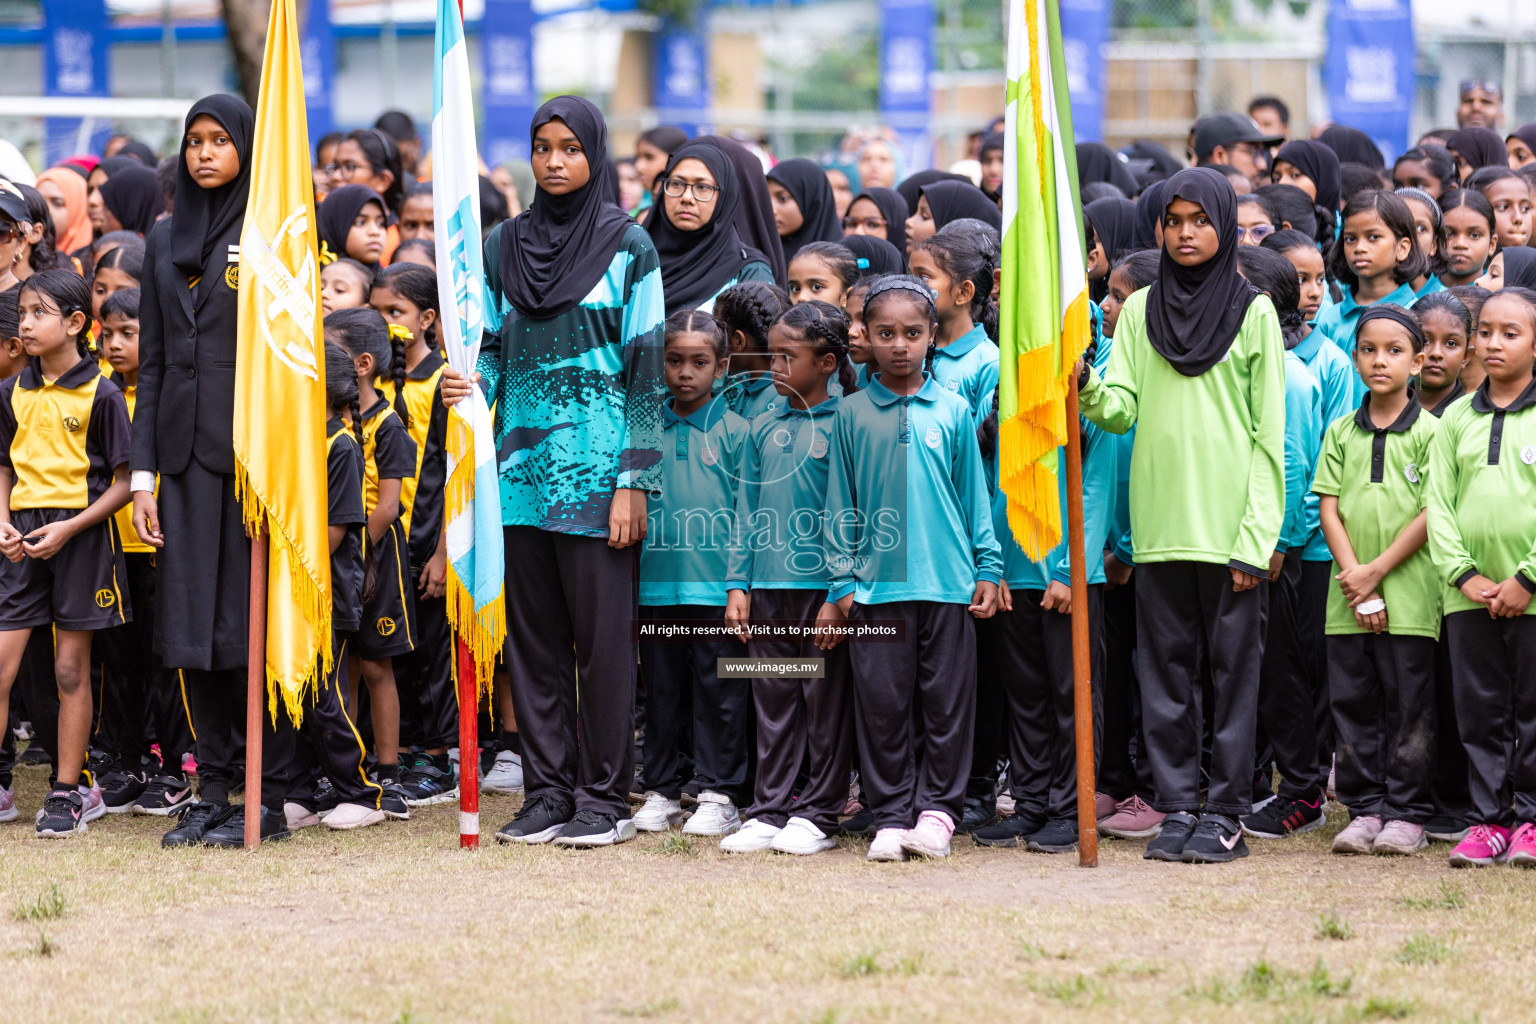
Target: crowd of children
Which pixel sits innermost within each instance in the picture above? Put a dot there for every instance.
(770, 405)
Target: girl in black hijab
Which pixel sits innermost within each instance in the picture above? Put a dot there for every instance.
(183, 430)
(338, 216)
(1198, 368)
(1475, 148)
(946, 201)
(1113, 222)
(1311, 167)
(879, 204)
(992, 159)
(1353, 146)
(1097, 162)
(131, 200)
(697, 264)
(799, 187)
(911, 188)
(1149, 215)
(754, 213)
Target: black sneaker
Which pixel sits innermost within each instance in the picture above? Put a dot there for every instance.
(1216, 840)
(978, 813)
(1058, 836)
(1008, 832)
(1169, 842)
(429, 780)
(540, 820)
(594, 828)
(229, 834)
(1280, 818)
(164, 795)
(61, 815)
(393, 803)
(196, 820)
(1445, 829)
(861, 825)
(121, 786)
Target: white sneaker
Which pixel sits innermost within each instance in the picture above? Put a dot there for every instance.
(753, 837)
(349, 816)
(299, 816)
(931, 836)
(505, 776)
(658, 813)
(715, 815)
(888, 845)
(95, 807)
(802, 838)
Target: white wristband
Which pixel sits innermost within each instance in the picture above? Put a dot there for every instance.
(1371, 607)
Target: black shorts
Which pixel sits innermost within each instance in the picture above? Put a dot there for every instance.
(388, 626)
(83, 587)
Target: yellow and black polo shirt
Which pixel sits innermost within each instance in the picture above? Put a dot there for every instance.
(124, 516)
(62, 438)
(388, 451)
(421, 495)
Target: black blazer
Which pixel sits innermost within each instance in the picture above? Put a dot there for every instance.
(187, 338)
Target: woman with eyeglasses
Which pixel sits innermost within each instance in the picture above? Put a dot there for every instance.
(879, 213)
(1257, 219)
(368, 156)
(694, 229)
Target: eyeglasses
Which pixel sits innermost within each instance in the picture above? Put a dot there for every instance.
(1478, 83)
(867, 223)
(1258, 232)
(10, 230)
(345, 170)
(676, 188)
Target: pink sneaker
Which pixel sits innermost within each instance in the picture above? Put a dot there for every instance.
(1132, 819)
(189, 764)
(1484, 845)
(1359, 836)
(887, 845)
(931, 836)
(1400, 837)
(8, 811)
(1522, 846)
(1103, 806)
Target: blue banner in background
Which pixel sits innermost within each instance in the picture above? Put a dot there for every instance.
(906, 56)
(319, 60)
(1368, 72)
(1084, 27)
(681, 89)
(74, 64)
(508, 97)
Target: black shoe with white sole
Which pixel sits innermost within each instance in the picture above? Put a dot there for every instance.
(594, 828)
(1168, 844)
(1280, 818)
(1058, 836)
(539, 821)
(1010, 831)
(1216, 840)
(164, 795)
(1443, 828)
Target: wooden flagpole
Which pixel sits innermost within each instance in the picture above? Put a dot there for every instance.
(256, 688)
(469, 750)
(1082, 678)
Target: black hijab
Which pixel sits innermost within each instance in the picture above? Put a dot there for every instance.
(1114, 221)
(133, 197)
(118, 164)
(1097, 162)
(911, 188)
(877, 256)
(1352, 146)
(554, 252)
(1319, 163)
(1480, 147)
(807, 182)
(697, 264)
(952, 200)
(754, 210)
(136, 150)
(1149, 210)
(1526, 133)
(202, 216)
(1194, 313)
(1520, 266)
(991, 142)
(895, 211)
(334, 217)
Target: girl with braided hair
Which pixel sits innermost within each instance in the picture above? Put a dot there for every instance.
(682, 572)
(913, 543)
(960, 269)
(746, 311)
(777, 574)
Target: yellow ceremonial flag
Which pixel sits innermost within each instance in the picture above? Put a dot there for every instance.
(280, 407)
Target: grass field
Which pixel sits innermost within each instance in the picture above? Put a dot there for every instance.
(395, 924)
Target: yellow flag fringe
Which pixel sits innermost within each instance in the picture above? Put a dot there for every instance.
(484, 631)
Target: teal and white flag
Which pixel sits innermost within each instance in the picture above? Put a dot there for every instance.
(472, 504)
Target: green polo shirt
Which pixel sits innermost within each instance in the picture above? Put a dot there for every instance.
(1379, 476)
(1482, 494)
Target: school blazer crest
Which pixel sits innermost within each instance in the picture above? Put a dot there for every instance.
(187, 345)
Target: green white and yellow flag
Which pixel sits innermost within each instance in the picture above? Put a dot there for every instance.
(1045, 317)
(280, 407)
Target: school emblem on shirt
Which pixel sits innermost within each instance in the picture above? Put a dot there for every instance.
(385, 626)
(710, 455)
(933, 437)
(71, 423)
(105, 599)
(1528, 455)
(1412, 473)
(819, 448)
(953, 384)
(232, 276)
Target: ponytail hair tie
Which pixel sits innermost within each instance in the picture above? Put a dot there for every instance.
(398, 333)
(327, 257)
(863, 263)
